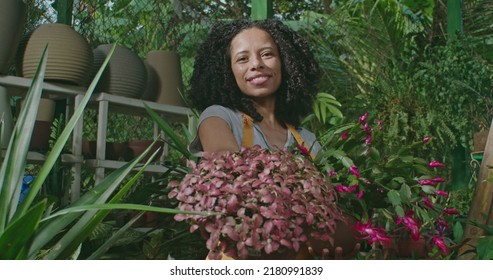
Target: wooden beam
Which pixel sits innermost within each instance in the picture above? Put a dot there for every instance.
(481, 210)
(262, 9)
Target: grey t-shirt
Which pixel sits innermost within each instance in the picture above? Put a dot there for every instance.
(235, 120)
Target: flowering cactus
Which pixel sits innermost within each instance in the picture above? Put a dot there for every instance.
(264, 201)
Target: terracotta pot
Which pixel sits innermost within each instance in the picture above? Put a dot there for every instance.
(125, 74)
(12, 21)
(114, 150)
(69, 54)
(137, 147)
(168, 68)
(147, 220)
(46, 109)
(40, 136)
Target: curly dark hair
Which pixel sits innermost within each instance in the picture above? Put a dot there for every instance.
(213, 82)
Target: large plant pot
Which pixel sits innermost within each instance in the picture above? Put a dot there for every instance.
(137, 147)
(168, 68)
(114, 150)
(69, 54)
(12, 21)
(46, 109)
(152, 84)
(125, 74)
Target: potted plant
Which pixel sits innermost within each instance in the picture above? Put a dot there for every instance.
(269, 204)
(395, 197)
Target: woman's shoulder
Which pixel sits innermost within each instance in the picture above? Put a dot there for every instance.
(217, 111)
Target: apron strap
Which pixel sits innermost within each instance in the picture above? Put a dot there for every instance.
(247, 140)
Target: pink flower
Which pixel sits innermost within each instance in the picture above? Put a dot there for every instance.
(427, 202)
(427, 182)
(372, 234)
(426, 139)
(436, 164)
(438, 241)
(303, 150)
(332, 173)
(368, 140)
(379, 122)
(344, 135)
(439, 180)
(441, 193)
(363, 117)
(451, 211)
(359, 195)
(354, 170)
(411, 223)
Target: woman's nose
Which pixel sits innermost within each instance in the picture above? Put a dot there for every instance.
(256, 62)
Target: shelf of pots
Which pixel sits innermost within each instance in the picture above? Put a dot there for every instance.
(104, 103)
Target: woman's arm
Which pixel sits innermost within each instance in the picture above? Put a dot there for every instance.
(216, 136)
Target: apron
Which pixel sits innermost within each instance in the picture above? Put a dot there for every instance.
(247, 140)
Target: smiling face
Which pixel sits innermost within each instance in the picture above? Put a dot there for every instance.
(256, 63)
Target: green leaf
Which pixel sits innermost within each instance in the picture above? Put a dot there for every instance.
(428, 189)
(458, 231)
(12, 171)
(485, 248)
(15, 240)
(168, 130)
(394, 197)
(62, 139)
(405, 193)
(399, 211)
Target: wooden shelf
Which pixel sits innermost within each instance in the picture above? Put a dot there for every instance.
(113, 164)
(37, 157)
(103, 103)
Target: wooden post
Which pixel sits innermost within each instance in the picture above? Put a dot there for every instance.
(261, 9)
(481, 210)
(64, 10)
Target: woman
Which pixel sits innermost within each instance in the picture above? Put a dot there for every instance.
(256, 72)
(254, 81)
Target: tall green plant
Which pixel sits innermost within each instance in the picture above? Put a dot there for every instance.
(31, 229)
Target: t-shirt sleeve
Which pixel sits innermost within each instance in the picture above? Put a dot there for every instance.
(195, 147)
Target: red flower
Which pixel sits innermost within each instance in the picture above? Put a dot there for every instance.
(451, 211)
(411, 223)
(441, 193)
(354, 170)
(435, 163)
(372, 234)
(426, 139)
(438, 241)
(427, 202)
(427, 182)
(344, 135)
(363, 117)
(438, 180)
(303, 150)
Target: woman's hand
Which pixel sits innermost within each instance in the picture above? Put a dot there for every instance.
(338, 254)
